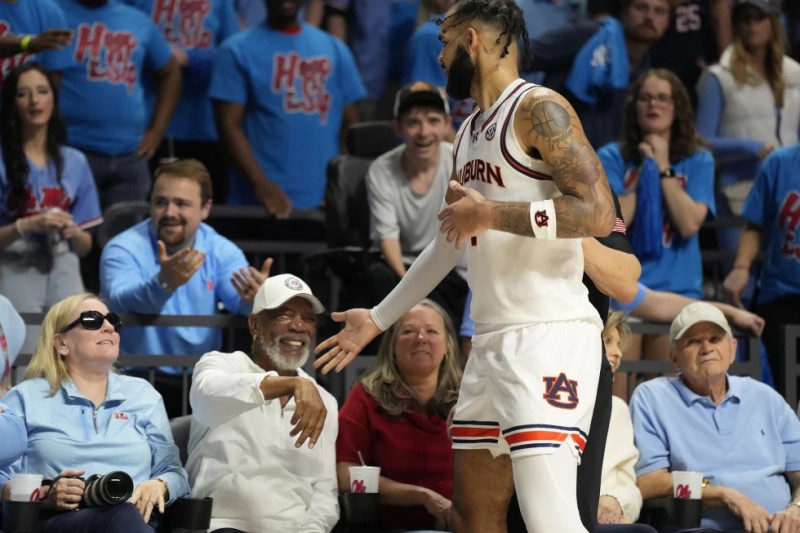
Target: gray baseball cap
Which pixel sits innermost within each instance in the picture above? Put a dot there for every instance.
(695, 313)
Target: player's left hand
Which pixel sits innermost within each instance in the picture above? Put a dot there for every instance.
(465, 218)
(149, 144)
(248, 280)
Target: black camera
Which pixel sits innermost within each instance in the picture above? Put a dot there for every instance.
(108, 489)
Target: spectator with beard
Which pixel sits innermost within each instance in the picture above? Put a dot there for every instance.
(593, 62)
(174, 264)
(253, 416)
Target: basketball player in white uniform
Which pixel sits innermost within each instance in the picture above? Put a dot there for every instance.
(528, 390)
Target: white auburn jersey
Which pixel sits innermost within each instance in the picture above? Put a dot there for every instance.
(515, 280)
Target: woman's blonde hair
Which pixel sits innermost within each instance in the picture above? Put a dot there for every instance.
(774, 60)
(616, 320)
(384, 381)
(46, 361)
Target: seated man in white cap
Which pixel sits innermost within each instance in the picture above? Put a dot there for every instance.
(263, 435)
(739, 433)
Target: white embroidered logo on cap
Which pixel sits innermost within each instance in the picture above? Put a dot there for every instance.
(294, 284)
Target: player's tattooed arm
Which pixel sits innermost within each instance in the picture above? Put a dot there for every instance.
(547, 124)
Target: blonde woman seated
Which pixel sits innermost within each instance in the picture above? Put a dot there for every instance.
(396, 418)
(84, 419)
(620, 499)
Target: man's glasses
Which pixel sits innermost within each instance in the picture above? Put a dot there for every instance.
(93, 320)
(660, 99)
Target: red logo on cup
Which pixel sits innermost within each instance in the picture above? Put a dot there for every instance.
(358, 486)
(683, 492)
(35, 495)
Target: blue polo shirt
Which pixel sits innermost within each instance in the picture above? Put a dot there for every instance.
(746, 442)
(129, 431)
(129, 283)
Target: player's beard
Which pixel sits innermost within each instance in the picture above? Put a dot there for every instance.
(273, 352)
(460, 75)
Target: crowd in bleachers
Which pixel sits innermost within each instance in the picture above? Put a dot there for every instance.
(693, 107)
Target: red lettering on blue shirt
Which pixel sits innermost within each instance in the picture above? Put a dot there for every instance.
(183, 22)
(788, 220)
(108, 54)
(8, 63)
(302, 82)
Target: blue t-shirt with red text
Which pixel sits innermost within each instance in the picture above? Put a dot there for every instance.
(75, 194)
(294, 87)
(680, 267)
(30, 17)
(102, 97)
(197, 27)
(774, 204)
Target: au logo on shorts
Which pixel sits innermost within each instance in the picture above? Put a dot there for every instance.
(561, 392)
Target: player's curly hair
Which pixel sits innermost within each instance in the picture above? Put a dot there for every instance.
(386, 384)
(11, 139)
(683, 141)
(505, 15)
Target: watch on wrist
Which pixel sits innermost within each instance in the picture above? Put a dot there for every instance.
(668, 173)
(706, 482)
(163, 283)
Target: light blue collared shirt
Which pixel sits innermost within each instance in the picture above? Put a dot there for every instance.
(129, 271)
(13, 439)
(746, 442)
(129, 431)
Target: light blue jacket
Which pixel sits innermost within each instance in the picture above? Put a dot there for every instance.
(129, 431)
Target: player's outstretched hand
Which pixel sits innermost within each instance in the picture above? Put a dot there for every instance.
(338, 350)
(466, 217)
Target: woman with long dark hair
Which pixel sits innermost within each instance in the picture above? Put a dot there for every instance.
(47, 195)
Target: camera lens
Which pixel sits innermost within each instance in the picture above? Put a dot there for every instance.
(109, 489)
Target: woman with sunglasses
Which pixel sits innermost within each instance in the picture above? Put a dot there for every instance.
(47, 196)
(748, 104)
(665, 182)
(82, 418)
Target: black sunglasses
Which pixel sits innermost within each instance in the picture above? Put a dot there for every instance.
(94, 320)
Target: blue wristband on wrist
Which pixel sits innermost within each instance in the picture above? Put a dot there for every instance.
(641, 292)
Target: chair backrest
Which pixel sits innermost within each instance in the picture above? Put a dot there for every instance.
(180, 428)
(119, 217)
(346, 207)
(371, 138)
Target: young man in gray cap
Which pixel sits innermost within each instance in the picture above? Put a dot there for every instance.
(738, 432)
(405, 191)
(263, 436)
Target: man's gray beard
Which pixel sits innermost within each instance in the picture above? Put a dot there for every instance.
(273, 352)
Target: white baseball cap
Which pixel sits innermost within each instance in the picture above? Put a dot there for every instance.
(695, 313)
(278, 290)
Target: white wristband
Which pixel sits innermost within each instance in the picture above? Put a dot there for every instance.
(543, 219)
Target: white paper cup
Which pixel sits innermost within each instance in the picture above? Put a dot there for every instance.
(364, 479)
(25, 487)
(687, 485)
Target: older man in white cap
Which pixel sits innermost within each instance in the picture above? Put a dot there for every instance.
(738, 432)
(263, 434)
